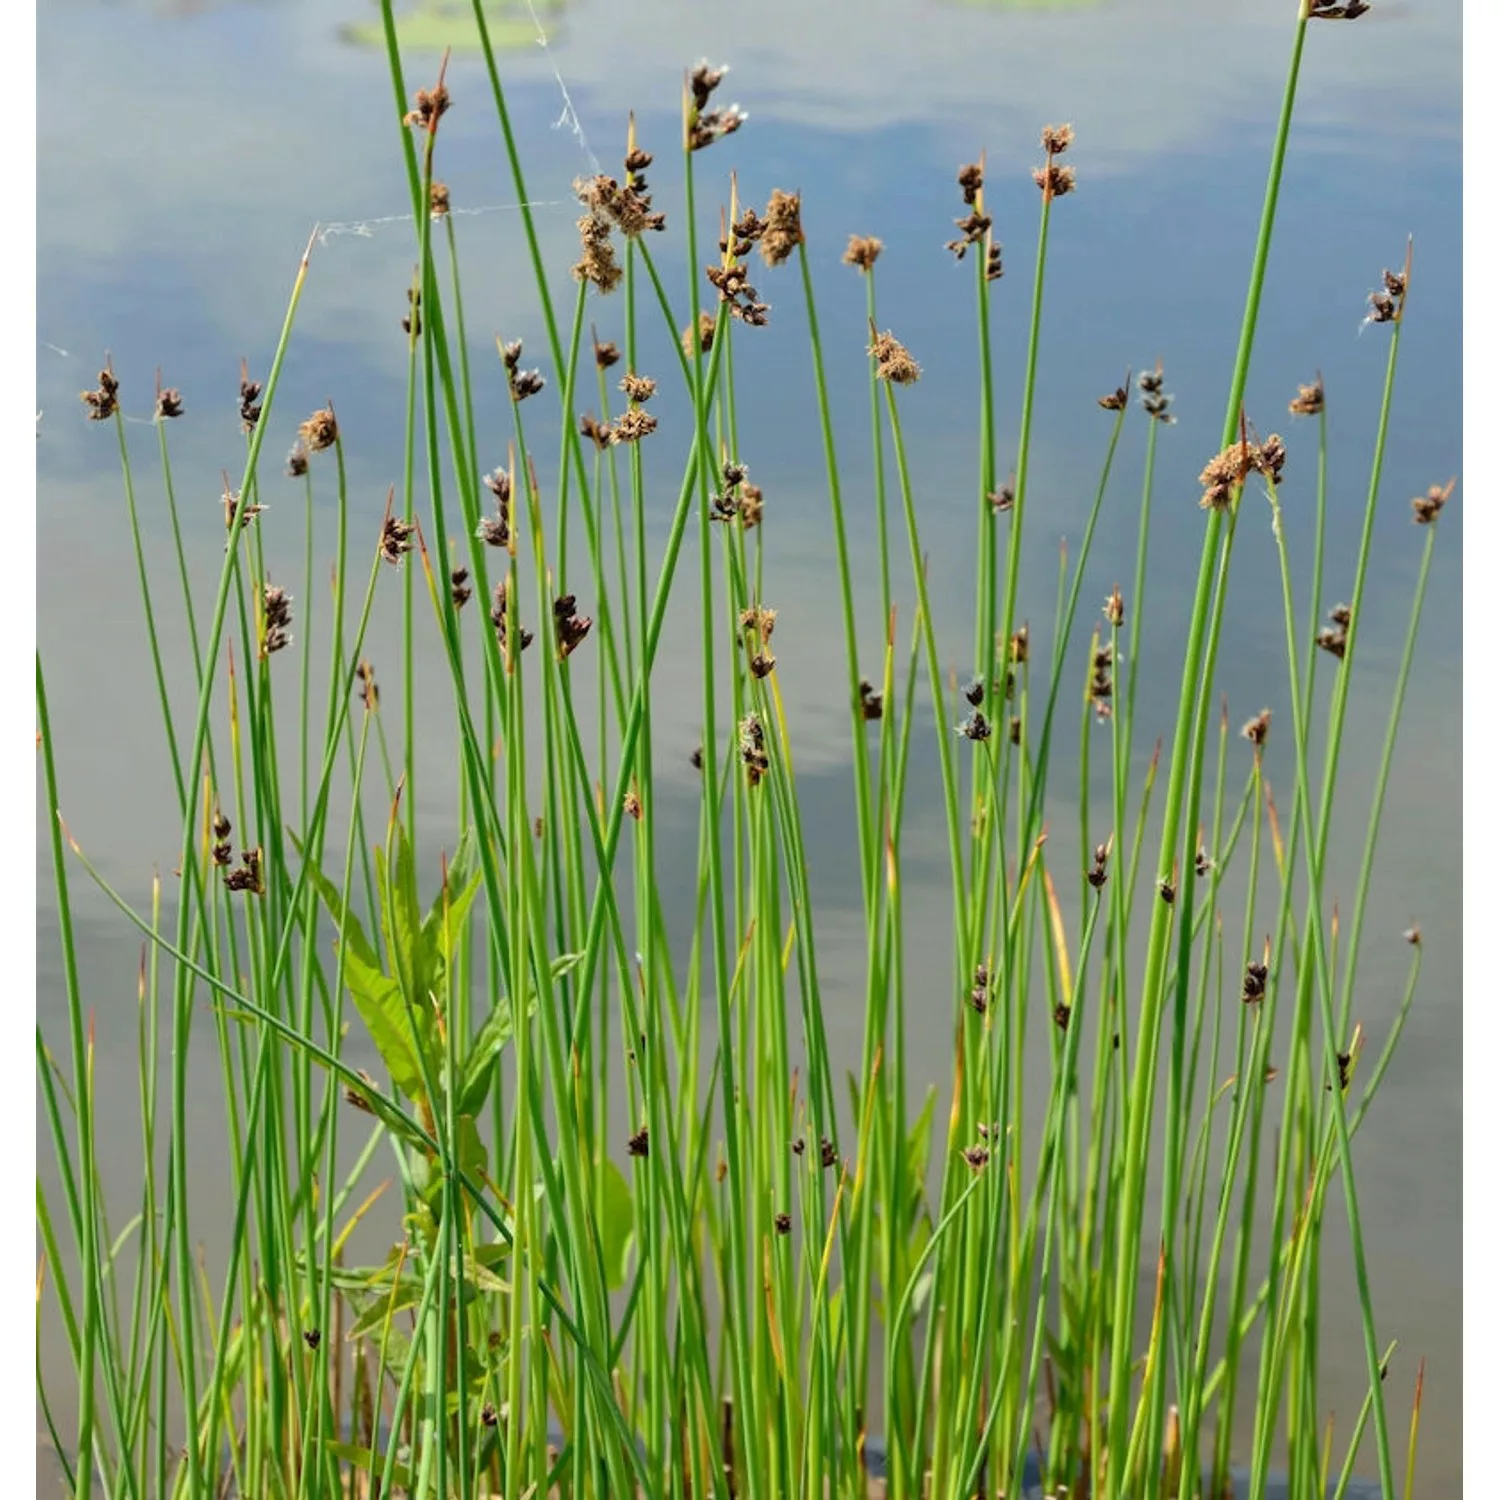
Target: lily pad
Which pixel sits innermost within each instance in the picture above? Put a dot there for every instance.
(437, 25)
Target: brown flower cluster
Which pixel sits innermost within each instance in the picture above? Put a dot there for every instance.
(753, 749)
(1386, 304)
(730, 277)
(571, 626)
(320, 431)
(168, 400)
(430, 107)
(757, 624)
(1334, 638)
(1102, 681)
(705, 125)
(864, 250)
(892, 360)
(1258, 729)
(1309, 400)
(277, 604)
(499, 617)
(1155, 402)
(523, 383)
(1425, 509)
(395, 539)
(974, 226)
(104, 402)
(494, 531)
(1226, 472)
(783, 228)
(737, 497)
(249, 398)
(1055, 181)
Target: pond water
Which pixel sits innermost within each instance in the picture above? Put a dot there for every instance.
(188, 147)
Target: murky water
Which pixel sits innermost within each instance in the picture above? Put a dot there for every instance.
(186, 150)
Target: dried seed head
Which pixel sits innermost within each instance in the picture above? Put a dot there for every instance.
(977, 1157)
(572, 627)
(1335, 642)
(103, 402)
(783, 1223)
(871, 703)
(971, 181)
(639, 388)
(1100, 872)
(320, 430)
(1413, 935)
(1114, 608)
(1168, 891)
(974, 692)
(494, 531)
(705, 341)
(827, 1152)
(752, 503)
(249, 398)
(632, 804)
(1015, 729)
(596, 262)
(249, 877)
(976, 727)
(633, 425)
(430, 107)
(1425, 509)
(1054, 181)
(296, 460)
(525, 383)
(437, 200)
(1227, 471)
(892, 361)
(703, 80)
(637, 160)
(1062, 1013)
(168, 402)
(783, 229)
(412, 322)
(762, 664)
(1254, 987)
(640, 1143)
(458, 587)
(605, 354)
(232, 503)
(863, 252)
(277, 606)
(1020, 645)
(1202, 863)
(1309, 400)
(1116, 399)
(1003, 498)
(1258, 729)
(312, 1338)
(601, 433)
(395, 539)
(360, 1098)
(1056, 139)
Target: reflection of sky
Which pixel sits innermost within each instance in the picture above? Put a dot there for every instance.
(183, 160)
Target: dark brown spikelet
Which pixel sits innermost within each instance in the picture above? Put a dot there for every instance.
(971, 181)
(1054, 181)
(438, 203)
(633, 425)
(369, 690)
(827, 1152)
(892, 361)
(632, 804)
(705, 340)
(1056, 139)
(526, 383)
(1100, 872)
(1062, 1013)
(572, 627)
(168, 401)
(606, 354)
(638, 388)
(1226, 472)
(1258, 729)
(972, 229)
(1309, 400)
(104, 402)
(1425, 509)
(360, 1098)
(1002, 499)
(979, 991)
(596, 262)
(977, 1157)
(249, 877)
(395, 539)
(976, 727)
(1114, 608)
(320, 431)
(249, 398)
(783, 1223)
(871, 703)
(429, 108)
(783, 228)
(752, 504)
(247, 512)
(312, 1337)
(458, 587)
(762, 664)
(277, 605)
(296, 460)
(974, 692)
(863, 252)
(1254, 987)
(600, 433)
(640, 1143)
(1116, 399)
(412, 322)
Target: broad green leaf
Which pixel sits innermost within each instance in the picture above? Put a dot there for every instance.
(478, 1069)
(381, 1007)
(408, 1293)
(362, 1457)
(616, 1224)
(350, 929)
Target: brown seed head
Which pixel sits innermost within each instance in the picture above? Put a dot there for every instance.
(1115, 400)
(438, 203)
(1056, 139)
(395, 539)
(633, 425)
(430, 107)
(863, 252)
(892, 361)
(706, 325)
(1258, 729)
(103, 402)
(1426, 508)
(1309, 400)
(640, 1143)
(605, 355)
(638, 388)
(1114, 608)
(168, 402)
(1054, 181)
(320, 430)
(783, 231)
(971, 181)
(296, 460)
